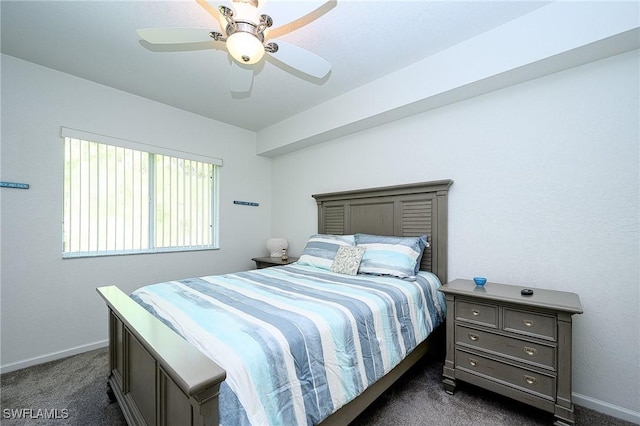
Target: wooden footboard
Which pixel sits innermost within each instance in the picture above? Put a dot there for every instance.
(156, 376)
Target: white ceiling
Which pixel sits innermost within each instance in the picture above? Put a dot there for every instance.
(363, 40)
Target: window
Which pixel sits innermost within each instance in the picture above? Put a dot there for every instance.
(125, 198)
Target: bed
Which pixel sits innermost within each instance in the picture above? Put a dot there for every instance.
(163, 371)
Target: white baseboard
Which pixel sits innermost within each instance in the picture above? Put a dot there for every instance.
(606, 408)
(18, 365)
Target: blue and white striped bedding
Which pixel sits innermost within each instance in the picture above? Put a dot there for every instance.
(297, 342)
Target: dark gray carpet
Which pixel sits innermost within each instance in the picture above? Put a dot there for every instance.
(76, 384)
(75, 388)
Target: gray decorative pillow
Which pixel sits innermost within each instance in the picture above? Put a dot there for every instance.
(347, 260)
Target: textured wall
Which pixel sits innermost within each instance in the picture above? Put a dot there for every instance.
(545, 194)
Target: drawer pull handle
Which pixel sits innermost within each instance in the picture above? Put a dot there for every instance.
(473, 362)
(473, 337)
(530, 351)
(475, 313)
(528, 323)
(530, 380)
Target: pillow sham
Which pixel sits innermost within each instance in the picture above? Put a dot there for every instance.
(424, 242)
(347, 260)
(396, 256)
(321, 249)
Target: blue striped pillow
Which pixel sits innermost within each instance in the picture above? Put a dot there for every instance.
(321, 249)
(395, 256)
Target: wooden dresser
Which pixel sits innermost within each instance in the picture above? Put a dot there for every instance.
(515, 345)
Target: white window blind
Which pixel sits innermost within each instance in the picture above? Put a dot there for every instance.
(122, 197)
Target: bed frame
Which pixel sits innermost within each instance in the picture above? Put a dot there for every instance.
(158, 378)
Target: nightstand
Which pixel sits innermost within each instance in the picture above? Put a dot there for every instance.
(266, 262)
(515, 345)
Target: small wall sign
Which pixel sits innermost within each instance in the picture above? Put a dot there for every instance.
(14, 185)
(246, 203)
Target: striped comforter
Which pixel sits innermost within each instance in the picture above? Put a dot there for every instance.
(297, 342)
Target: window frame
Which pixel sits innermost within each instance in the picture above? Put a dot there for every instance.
(153, 150)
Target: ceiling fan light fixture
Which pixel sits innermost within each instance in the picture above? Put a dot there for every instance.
(245, 47)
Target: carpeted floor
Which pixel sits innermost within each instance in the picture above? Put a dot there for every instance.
(74, 387)
(74, 390)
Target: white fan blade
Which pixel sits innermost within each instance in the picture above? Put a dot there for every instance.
(301, 59)
(241, 78)
(285, 11)
(175, 35)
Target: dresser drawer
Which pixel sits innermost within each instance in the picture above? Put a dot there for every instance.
(541, 355)
(529, 381)
(478, 313)
(530, 323)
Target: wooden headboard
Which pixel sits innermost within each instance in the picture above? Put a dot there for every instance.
(403, 210)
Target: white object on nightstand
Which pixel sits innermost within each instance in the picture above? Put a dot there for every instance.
(276, 245)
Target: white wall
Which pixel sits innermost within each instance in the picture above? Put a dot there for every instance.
(49, 306)
(545, 194)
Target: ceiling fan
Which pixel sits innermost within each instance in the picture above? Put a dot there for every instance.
(244, 28)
